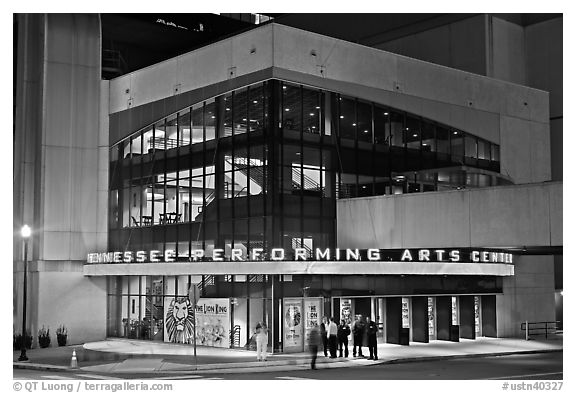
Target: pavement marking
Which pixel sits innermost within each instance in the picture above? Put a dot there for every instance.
(96, 376)
(56, 377)
(288, 377)
(528, 375)
(180, 377)
(214, 378)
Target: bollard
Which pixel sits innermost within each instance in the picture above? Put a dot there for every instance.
(74, 361)
(527, 335)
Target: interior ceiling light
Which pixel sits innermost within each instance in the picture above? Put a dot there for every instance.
(385, 113)
(317, 107)
(341, 116)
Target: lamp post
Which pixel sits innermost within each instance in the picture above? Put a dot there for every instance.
(25, 232)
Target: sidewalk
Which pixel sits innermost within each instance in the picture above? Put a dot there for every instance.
(120, 356)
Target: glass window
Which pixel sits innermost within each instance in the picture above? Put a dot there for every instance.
(171, 196)
(184, 128)
(381, 117)
(147, 140)
(312, 113)
(396, 128)
(428, 138)
(470, 145)
(443, 140)
(412, 133)
(291, 107)
(228, 109)
(347, 119)
(159, 141)
(483, 149)
(209, 119)
(114, 152)
(127, 146)
(457, 145)
(137, 145)
(113, 222)
(240, 112)
(197, 124)
(364, 126)
(495, 155)
(256, 108)
(126, 207)
(171, 132)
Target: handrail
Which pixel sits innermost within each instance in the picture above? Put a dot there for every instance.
(548, 326)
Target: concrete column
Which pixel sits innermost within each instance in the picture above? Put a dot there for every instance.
(393, 319)
(419, 325)
(466, 310)
(489, 315)
(443, 317)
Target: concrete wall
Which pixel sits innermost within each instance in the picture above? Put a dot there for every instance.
(506, 50)
(460, 45)
(68, 214)
(523, 215)
(544, 54)
(511, 216)
(527, 296)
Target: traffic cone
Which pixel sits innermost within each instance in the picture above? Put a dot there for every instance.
(74, 361)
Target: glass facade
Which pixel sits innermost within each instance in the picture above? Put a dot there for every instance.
(262, 167)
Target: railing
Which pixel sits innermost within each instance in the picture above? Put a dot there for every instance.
(162, 143)
(235, 337)
(539, 328)
(308, 184)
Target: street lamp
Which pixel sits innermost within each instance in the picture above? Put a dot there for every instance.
(25, 232)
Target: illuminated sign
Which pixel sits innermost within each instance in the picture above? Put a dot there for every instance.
(302, 254)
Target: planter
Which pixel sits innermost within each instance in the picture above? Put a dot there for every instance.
(44, 341)
(62, 338)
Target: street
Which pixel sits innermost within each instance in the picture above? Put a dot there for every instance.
(542, 366)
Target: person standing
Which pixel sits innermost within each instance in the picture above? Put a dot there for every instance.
(261, 341)
(313, 343)
(343, 333)
(372, 330)
(332, 337)
(358, 333)
(324, 335)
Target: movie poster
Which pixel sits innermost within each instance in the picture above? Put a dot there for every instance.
(292, 319)
(178, 320)
(213, 316)
(312, 317)
(346, 310)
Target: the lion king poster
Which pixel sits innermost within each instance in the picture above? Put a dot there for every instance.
(213, 316)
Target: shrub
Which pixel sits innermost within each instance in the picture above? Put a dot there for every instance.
(44, 337)
(61, 335)
(17, 341)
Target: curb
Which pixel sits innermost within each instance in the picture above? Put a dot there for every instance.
(295, 362)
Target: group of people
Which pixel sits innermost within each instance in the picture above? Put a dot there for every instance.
(334, 338)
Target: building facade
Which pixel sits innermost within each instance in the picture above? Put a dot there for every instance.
(286, 175)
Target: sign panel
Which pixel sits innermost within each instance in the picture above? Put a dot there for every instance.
(213, 316)
(346, 311)
(312, 317)
(178, 320)
(293, 329)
